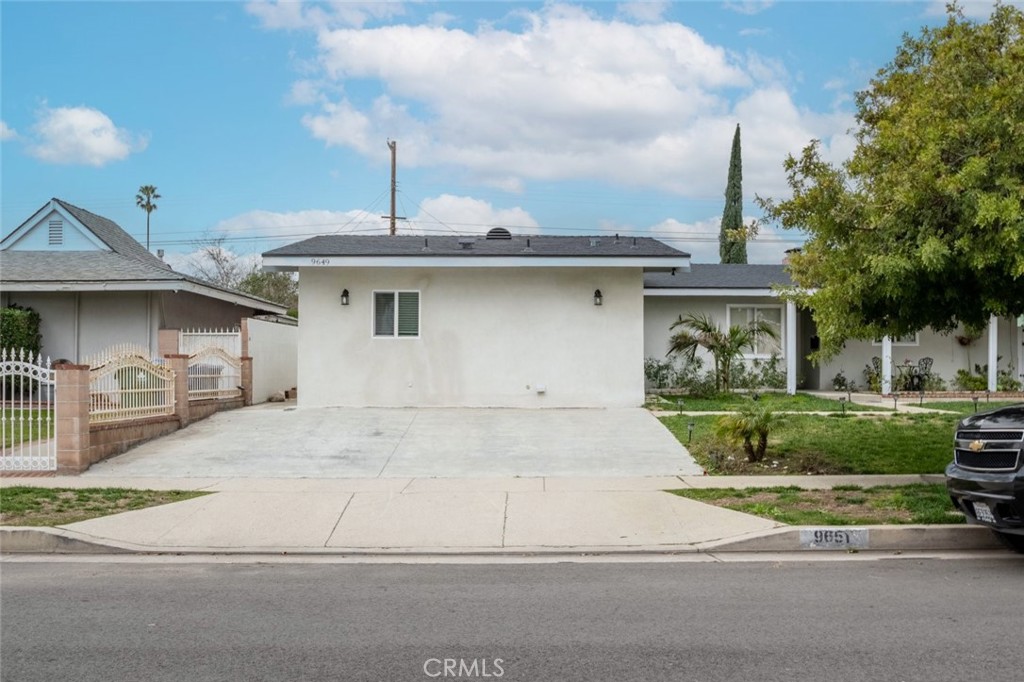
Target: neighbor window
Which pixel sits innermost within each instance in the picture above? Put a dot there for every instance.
(396, 313)
(764, 346)
(905, 340)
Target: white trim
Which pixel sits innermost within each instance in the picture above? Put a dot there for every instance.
(790, 347)
(697, 293)
(291, 263)
(782, 326)
(146, 285)
(373, 313)
(993, 352)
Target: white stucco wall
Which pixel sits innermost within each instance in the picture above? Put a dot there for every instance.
(274, 351)
(76, 325)
(660, 312)
(488, 337)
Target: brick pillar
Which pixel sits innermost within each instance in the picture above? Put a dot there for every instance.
(179, 365)
(247, 380)
(73, 443)
(167, 342)
(245, 337)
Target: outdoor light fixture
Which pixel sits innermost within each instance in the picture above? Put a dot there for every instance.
(842, 405)
(598, 298)
(344, 296)
(689, 430)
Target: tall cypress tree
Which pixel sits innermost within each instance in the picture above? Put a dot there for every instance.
(731, 249)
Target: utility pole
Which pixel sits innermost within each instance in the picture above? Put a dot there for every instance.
(393, 146)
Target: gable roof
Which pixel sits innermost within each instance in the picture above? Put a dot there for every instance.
(128, 266)
(476, 251)
(726, 276)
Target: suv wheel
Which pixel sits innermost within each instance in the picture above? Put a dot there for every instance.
(1014, 542)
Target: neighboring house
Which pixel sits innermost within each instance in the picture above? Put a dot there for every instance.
(734, 294)
(94, 286)
(495, 321)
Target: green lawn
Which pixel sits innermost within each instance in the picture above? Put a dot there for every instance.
(24, 425)
(801, 402)
(897, 444)
(30, 506)
(842, 506)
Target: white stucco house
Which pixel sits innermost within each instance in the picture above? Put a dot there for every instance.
(733, 294)
(495, 321)
(95, 286)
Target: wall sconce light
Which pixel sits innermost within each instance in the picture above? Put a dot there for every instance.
(598, 298)
(344, 296)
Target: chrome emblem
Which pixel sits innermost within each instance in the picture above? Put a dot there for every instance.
(976, 446)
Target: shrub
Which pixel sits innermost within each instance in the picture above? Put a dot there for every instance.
(19, 328)
(658, 373)
(965, 381)
(873, 379)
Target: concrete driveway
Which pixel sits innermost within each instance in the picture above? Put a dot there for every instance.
(271, 440)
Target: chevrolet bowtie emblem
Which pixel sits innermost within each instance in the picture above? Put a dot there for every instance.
(976, 446)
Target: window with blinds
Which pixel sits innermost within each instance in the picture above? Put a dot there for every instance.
(396, 313)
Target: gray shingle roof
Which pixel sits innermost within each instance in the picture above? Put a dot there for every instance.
(720, 276)
(129, 261)
(479, 247)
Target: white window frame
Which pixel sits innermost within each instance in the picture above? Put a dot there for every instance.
(759, 306)
(395, 292)
(915, 342)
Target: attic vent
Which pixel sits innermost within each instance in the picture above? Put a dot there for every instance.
(56, 232)
(594, 241)
(499, 233)
(466, 242)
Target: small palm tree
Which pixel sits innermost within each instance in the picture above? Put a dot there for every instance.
(697, 330)
(753, 421)
(145, 200)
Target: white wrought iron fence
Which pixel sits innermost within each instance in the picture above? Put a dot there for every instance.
(192, 341)
(27, 412)
(214, 373)
(125, 384)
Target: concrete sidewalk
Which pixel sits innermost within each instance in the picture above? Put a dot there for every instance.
(452, 516)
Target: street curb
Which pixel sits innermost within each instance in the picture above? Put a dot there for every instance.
(48, 540)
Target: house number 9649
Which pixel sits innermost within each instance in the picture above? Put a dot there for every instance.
(319, 261)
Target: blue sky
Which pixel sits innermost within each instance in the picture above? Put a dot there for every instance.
(267, 122)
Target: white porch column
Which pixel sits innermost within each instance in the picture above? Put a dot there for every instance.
(886, 364)
(993, 351)
(790, 347)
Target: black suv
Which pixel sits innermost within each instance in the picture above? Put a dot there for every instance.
(986, 477)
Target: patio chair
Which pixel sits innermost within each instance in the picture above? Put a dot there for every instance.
(876, 365)
(924, 368)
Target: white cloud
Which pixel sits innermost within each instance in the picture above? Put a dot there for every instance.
(445, 214)
(6, 132)
(749, 6)
(566, 95)
(747, 32)
(643, 10)
(81, 135)
(292, 15)
(700, 240)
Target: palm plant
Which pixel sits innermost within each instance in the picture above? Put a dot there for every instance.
(145, 200)
(753, 421)
(697, 330)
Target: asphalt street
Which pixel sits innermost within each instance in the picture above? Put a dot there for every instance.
(897, 619)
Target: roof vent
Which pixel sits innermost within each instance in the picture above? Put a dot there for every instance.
(594, 241)
(466, 242)
(499, 233)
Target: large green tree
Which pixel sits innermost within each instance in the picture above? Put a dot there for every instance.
(924, 224)
(732, 241)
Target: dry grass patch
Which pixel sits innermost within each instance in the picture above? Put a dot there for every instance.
(30, 506)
